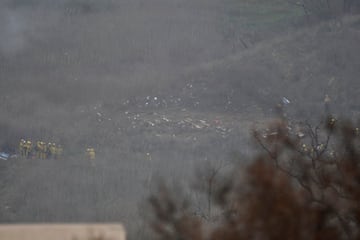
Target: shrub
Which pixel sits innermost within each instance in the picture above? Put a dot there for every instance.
(302, 186)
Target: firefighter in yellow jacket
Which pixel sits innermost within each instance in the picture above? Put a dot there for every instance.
(43, 154)
(90, 153)
(38, 148)
(41, 150)
(22, 147)
(58, 151)
(28, 149)
(52, 150)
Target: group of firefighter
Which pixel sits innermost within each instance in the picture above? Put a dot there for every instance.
(40, 150)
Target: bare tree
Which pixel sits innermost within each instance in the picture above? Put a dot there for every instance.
(300, 187)
(323, 164)
(207, 180)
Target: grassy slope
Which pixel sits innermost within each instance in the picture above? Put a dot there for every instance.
(302, 66)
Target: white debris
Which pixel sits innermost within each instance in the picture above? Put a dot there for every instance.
(165, 119)
(300, 134)
(285, 100)
(188, 120)
(203, 122)
(221, 128)
(150, 123)
(272, 133)
(4, 156)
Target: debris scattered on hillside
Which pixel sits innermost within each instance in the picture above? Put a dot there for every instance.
(184, 122)
(4, 156)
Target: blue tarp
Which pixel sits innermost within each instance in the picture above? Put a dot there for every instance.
(4, 156)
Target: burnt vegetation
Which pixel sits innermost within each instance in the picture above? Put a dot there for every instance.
(297, 187)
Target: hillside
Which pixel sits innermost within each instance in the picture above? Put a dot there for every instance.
(162, 104)
(303, 66)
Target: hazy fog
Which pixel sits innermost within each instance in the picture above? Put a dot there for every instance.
(157, 87)
(117, 43)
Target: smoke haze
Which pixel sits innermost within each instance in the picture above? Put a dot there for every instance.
(157, 87)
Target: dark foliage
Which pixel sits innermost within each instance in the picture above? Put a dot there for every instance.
(305, 185)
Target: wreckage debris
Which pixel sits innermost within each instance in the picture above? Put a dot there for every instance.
(4, 156)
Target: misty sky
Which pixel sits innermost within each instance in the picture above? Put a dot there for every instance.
(123, 44)
(112, 33)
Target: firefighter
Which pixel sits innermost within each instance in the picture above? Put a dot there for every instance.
(38, 148)
(58, 151)
(48, 150)
(22, 147)
(28, 149)
(52, 150)
(90, 153)
(44, 150)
